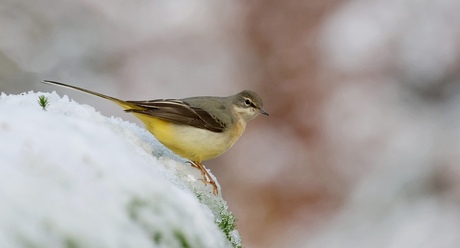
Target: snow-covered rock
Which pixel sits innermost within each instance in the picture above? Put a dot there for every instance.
(70, 177)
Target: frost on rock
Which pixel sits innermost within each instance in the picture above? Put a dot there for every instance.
(70, 177)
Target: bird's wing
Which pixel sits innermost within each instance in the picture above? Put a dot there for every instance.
(178, 112)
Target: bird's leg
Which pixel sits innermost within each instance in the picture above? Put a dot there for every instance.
(206, 177)
(193, 165)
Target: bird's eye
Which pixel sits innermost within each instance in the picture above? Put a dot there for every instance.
(247, 102)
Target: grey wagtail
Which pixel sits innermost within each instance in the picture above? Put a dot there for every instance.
(196, 128)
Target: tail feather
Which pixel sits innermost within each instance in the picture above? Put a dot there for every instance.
(122, 103)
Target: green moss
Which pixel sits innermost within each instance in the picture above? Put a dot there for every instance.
(200, 197)
(70, 243)
(227, 224)
(134, 206)
(157, 237)
(43, 101)
(181, 237)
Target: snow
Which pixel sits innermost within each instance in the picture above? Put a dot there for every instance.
(70, 177)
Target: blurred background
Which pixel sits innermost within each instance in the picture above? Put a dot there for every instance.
(362, 146)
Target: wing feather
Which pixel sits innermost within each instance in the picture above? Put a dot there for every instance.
(178, 112)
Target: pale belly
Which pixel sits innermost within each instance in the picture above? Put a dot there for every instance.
(193, 143)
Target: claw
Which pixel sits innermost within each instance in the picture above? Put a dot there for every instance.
(207, 179)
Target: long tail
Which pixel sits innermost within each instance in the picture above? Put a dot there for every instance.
(122, 103)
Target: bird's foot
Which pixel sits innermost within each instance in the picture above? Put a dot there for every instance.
(207, 179)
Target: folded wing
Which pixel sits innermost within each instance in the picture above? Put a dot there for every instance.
(178, 112)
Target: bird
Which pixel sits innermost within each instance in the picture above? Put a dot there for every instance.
(195, 128)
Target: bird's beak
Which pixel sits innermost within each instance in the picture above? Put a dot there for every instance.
(263, 112)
